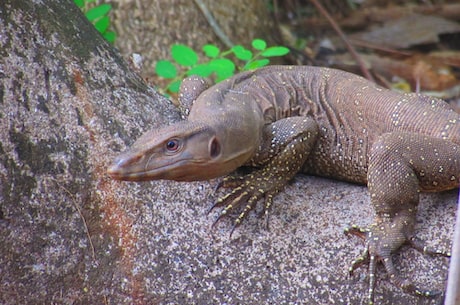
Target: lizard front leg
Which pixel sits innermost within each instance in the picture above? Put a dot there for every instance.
(283, 150)
(400, 166)
(190, 89)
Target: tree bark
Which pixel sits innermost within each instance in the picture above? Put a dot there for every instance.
(67, 101)
(70, 235)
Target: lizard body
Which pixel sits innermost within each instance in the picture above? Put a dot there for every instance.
(283, 120)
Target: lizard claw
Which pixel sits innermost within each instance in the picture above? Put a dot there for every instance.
(244, 197)
(379, 249)
(421, 246)
(235, 179)
(235, 199)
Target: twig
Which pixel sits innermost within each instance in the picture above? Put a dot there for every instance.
(374, 46)
(453, 283)
(362, 18)
(342, 36)
(213, 23)
(85, 225)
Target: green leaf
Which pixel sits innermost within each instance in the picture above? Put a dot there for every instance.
(166, 69)
(79, 3)
(259, 44)
(242, 53)
(222, 64)
(223, 67)
(110, 36)
(211, 50)
(102, 24)
(184, 55)
(98, 12)
(275, 51)
(202, 70)
(174, 86)
(256, 64)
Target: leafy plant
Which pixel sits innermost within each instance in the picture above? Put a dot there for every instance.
(98, 16)
(185, 62)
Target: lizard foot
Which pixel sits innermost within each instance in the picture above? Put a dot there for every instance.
(247, 191)
(379, 247)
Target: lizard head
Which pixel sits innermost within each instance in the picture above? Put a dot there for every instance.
(186, 151)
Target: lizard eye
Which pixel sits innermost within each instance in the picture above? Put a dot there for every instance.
(172, 145)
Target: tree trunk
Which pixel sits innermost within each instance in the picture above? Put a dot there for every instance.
(67, 101)
(70, 235)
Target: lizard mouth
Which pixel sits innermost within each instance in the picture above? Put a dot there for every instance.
(128, 170)
(179, 170)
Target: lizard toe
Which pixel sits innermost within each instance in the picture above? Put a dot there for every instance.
(379, 248)
(244, 198)
(422, 247)
(236, 181)
(231, 201)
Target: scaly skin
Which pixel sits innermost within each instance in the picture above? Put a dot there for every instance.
(283, 120)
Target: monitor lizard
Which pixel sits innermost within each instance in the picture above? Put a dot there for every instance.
(284, 120)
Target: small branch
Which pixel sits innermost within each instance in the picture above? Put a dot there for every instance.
(373, 46)
(342, 36)
(453, 283)
(85, 225)
(213, 23)
(362, 18)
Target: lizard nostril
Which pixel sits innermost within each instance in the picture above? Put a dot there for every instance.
(115, 168)
(120, 164)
